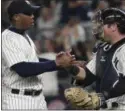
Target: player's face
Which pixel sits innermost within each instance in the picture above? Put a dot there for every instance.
(107, 33)
(26, 21)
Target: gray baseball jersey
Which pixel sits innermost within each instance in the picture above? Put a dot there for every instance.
(15, 49)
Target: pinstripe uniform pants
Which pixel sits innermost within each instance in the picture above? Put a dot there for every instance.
(119, 100)
(20, 101)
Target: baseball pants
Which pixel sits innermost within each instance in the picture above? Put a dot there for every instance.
(21, 101)
(119, 103)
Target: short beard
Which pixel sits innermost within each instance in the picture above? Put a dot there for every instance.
(100, 36)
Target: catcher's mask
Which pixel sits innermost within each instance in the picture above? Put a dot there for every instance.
(97, 22)
(107, 16)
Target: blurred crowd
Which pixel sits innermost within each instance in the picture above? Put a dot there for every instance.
(62, 25)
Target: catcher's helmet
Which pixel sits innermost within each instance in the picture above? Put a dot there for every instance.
(111, 15)
(108, 16)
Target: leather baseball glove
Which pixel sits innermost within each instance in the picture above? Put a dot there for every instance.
(81, 99)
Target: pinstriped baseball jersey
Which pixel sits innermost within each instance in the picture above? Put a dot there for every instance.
(110, 72)
(15, 49)
(20, 92)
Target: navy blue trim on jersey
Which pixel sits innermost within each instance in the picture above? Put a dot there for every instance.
(19, 31)
(28, 69)
(43, 60)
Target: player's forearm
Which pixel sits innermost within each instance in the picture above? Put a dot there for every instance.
(28, 69)
(82, 76)
(88, 80)
(77, 72)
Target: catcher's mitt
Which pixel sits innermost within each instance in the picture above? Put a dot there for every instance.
(81, 99)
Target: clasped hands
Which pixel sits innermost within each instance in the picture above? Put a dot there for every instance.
(65, 59)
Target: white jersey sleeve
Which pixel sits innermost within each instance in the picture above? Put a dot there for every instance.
(11, 50)
(92, 65)
(119, 63)
(122, 62)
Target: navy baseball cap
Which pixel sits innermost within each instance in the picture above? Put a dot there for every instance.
(21, 6)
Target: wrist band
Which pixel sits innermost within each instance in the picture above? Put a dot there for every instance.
(74, 70)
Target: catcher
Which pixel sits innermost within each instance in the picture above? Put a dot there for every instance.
(106, 69)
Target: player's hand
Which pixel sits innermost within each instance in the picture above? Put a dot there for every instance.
(64, 59)
(80, 63)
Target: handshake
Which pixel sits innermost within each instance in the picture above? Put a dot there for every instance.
(68, 62)
(66, 59)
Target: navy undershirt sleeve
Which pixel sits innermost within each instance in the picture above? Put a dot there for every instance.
(28, 69)
(43, 60)
(90, 78)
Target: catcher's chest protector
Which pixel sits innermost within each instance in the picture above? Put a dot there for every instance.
(104, 66)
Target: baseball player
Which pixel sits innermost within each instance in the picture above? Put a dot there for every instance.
(106, 69)
(21, 85)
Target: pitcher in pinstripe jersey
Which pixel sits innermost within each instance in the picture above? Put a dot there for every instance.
(21, 84)
(107, 68)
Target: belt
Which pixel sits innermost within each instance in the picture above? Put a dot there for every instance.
(27, 92)
(113, 105)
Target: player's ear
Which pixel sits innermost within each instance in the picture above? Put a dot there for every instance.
(16, 17)
(109, 25)
(113, 27)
